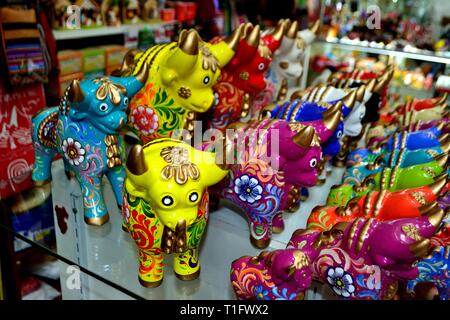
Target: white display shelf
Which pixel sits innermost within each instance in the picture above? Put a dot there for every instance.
(106, 31)
(387, 52)
(110, 252)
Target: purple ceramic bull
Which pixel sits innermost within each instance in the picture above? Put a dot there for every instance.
(274, 160)
(364, 259)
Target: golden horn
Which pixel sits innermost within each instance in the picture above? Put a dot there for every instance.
(349, 99)
(189, 43)
(233, 39)
(439, 183)
(143, 73)
(304, 137)
(441, 159)
(443, 138)
(420, 248)
(360, 93)
(136, 160)
(332, 116)
(278, 33)
(315, 27)
(253, 38)
(293, 29)
(371, 85)
(75, 93)
(442, 99)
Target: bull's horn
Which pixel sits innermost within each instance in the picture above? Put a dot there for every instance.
(332, 116)
(136, 160)
(360, 93)
(441, 159)
(438, 184)
(253, 38)
(420, 248)
(293, 29)
(304, 137)
(233, 39)
(143, 73)
(189, 43)
(75, 93)
(315, 27)
(350, 99)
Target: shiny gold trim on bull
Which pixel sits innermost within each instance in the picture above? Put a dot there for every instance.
(352, 232)
(112, 151)
(98, 221)
(179, 167)
(245, 105)
(283, 91)
(412, 232)
(391, 291)
(294, 112)
(51, 117)
(108, 88)
(429, 171)
(418, 196)
(420, 248)
(368, 201)
(209, 61)
(362, 235)
(293, 202)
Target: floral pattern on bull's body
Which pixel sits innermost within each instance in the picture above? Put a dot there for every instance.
(166, 205)
(179, 85)
(265, 189)
(84, 130)
(361, 260)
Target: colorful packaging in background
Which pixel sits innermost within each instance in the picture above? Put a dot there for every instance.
(16, 149)
(33, 217)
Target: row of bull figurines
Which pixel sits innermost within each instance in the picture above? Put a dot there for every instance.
(165, 187)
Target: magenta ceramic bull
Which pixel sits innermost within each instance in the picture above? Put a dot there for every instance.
(364, 259)
(274, 159)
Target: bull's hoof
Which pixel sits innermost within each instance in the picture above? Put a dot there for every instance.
(188, 277)
(149, 284)
(277, 229)
(320, 182)
(98, 221)
(124, 228)
(260, 244)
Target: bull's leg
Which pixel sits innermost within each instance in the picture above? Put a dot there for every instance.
(95, 212)
(278, 223)
(116, 177)
(151, 268)
(304, 194)
(42, 172)
(260, 231)
(186, 265)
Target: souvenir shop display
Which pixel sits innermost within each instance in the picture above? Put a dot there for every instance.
(226, 150)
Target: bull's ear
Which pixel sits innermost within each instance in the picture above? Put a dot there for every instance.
(168, 76)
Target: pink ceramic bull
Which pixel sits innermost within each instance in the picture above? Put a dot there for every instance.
(274, 159)
(364, 259)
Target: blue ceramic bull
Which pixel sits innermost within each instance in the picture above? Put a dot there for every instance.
(84, 130)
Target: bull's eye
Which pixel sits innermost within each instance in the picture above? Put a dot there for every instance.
(104, 107)
(193, 197)
(313, 162)
(339, 134)
(206, 80)
(167, 201)
(125, 101)
(261, 66)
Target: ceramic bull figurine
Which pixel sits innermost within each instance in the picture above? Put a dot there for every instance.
(166, 205)
(381, 205)
(361, 260)
(84, 130)
(287, 65)
(265, 185)
(391, 179)
(243, 78)
(179, 85)
(402, 158)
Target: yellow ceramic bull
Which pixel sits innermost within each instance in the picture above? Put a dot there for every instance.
(165, 205)
(181, 75)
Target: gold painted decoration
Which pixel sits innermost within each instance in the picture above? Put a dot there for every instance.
(179, 167)
(412, 232)
(209, 61)
(112, 151)
(419, 197)
(184, 92)
(108, 88)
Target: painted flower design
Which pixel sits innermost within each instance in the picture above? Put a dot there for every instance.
(340, 281)
(73, 151)
(145, 120)
(247, 188)
(260, 293)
